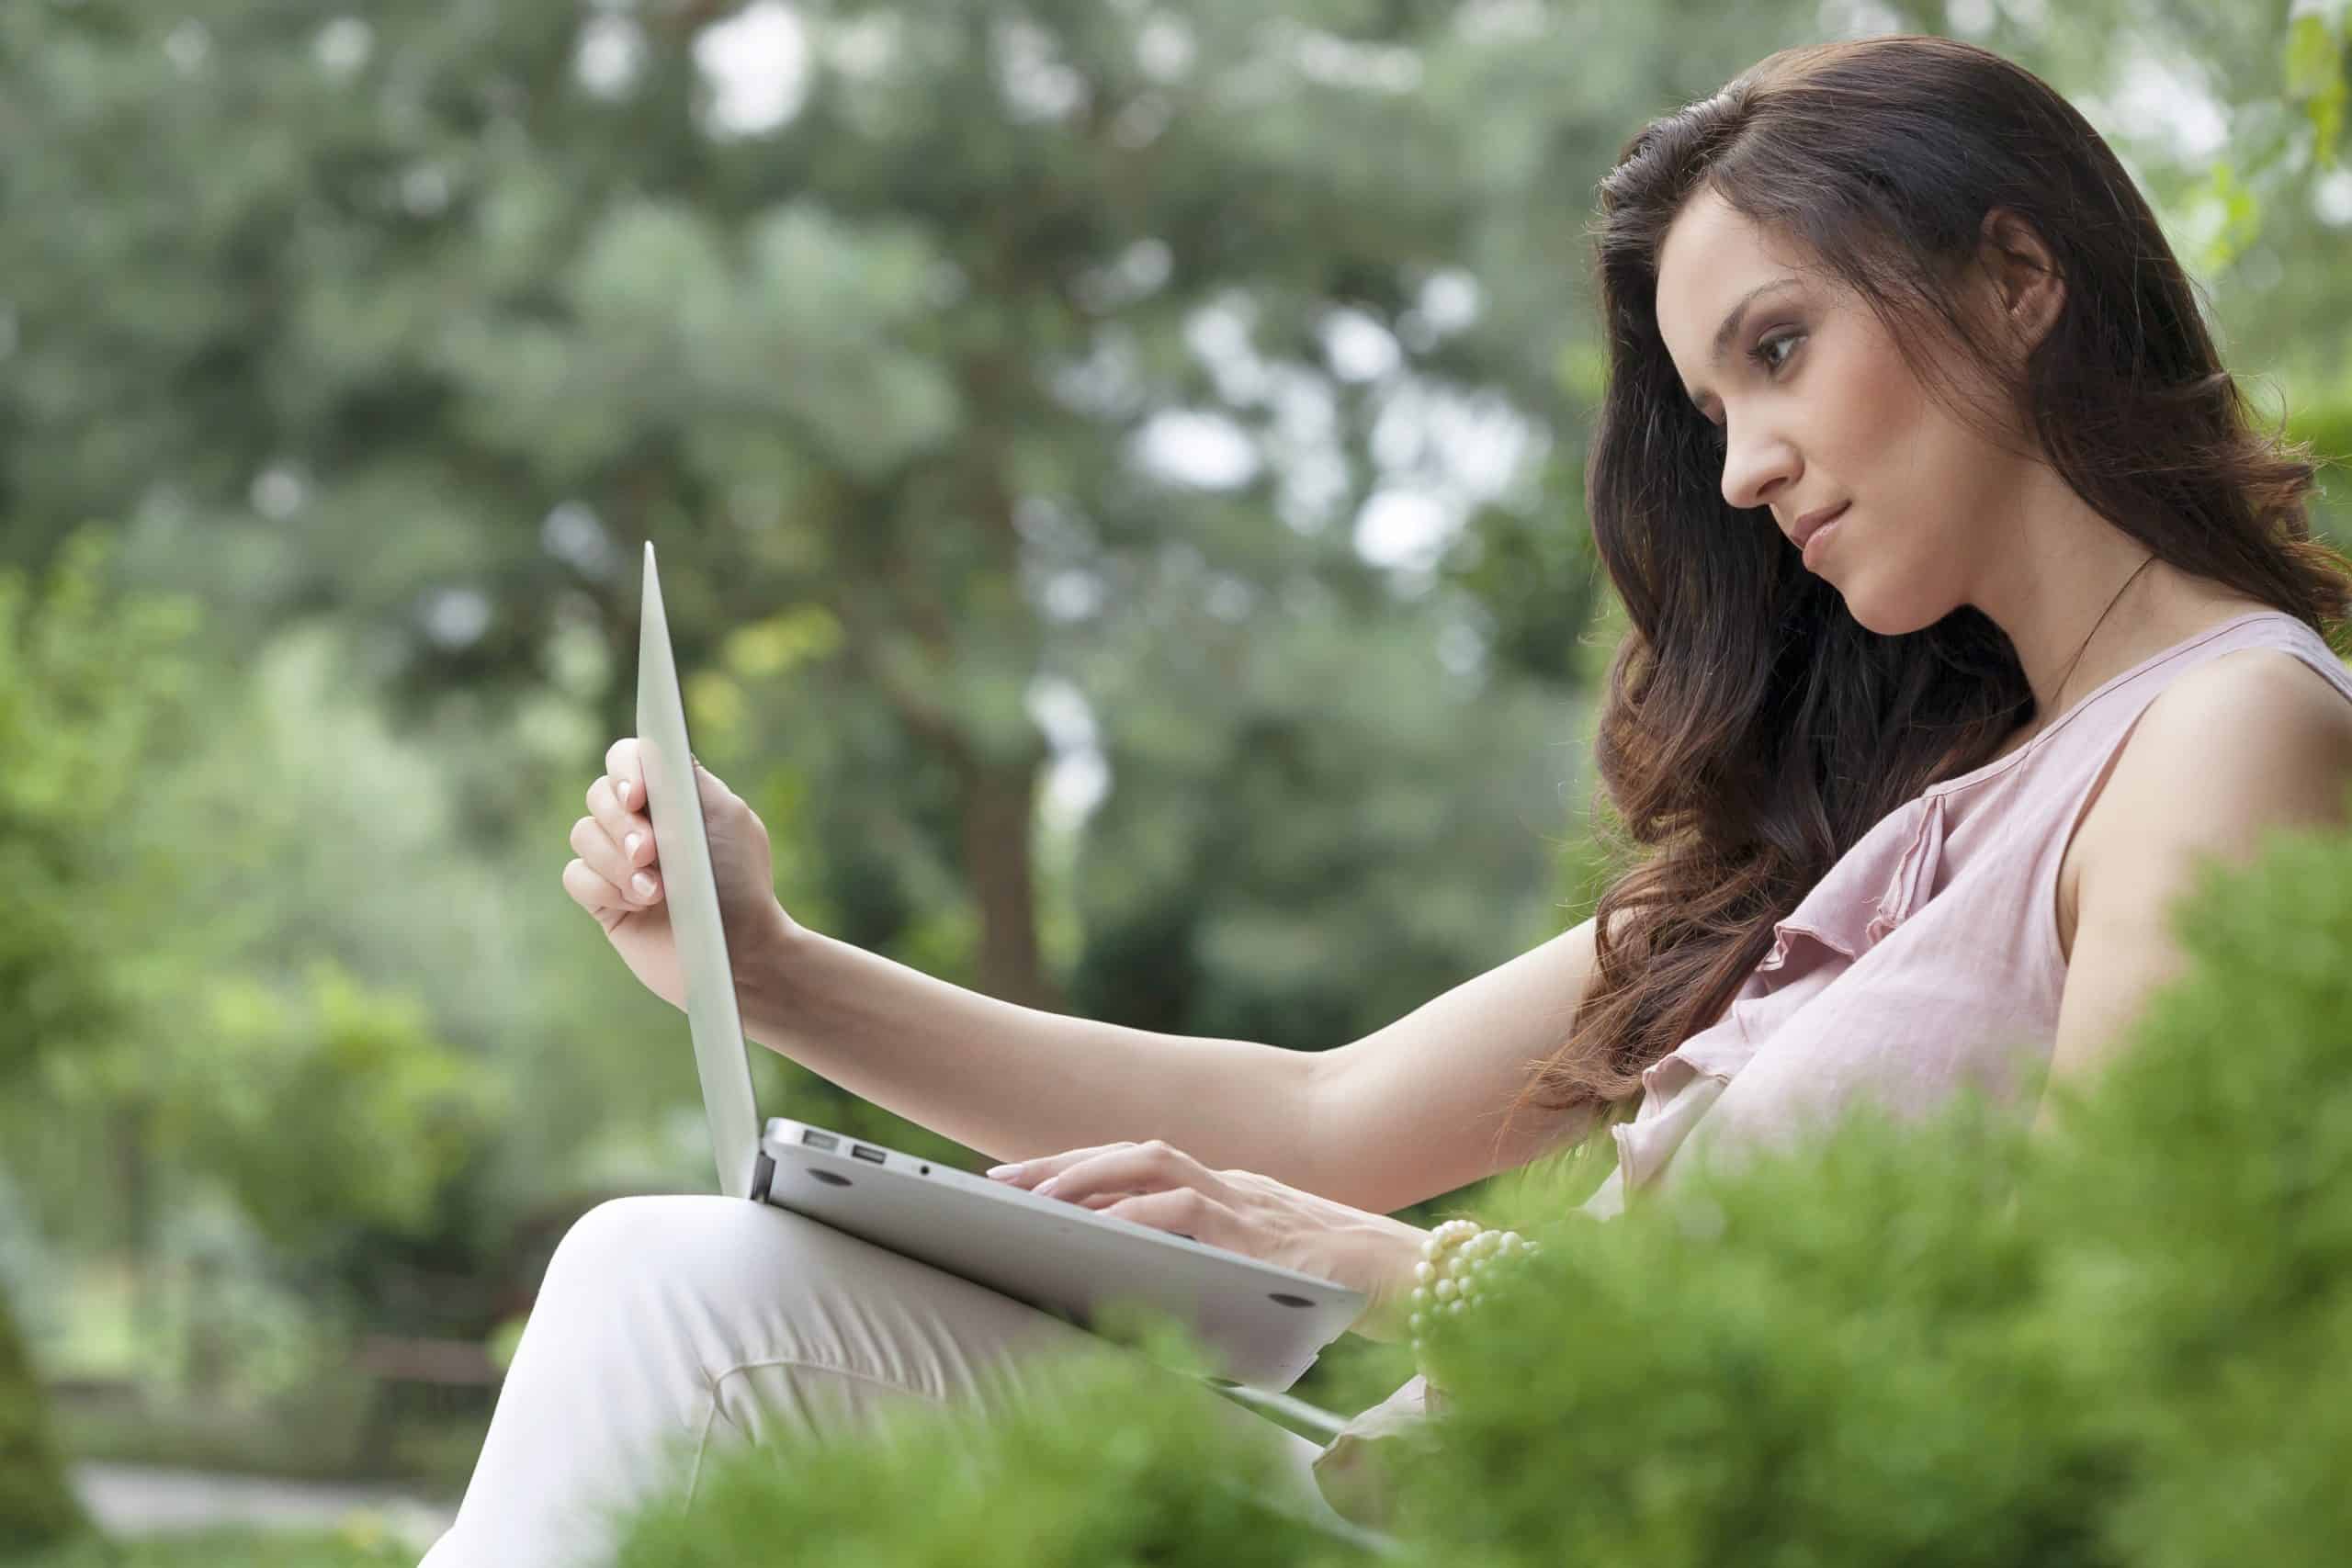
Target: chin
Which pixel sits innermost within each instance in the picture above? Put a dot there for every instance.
(1884, 616)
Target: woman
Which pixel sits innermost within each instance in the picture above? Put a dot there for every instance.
(1967, 618)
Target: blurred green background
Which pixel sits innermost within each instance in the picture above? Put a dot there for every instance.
(1117, 468)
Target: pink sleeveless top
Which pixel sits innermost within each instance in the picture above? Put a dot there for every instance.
(1926, 958)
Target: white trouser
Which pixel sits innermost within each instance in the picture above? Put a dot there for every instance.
(668, 1326)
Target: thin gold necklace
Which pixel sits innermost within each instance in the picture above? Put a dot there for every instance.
(2054, 709)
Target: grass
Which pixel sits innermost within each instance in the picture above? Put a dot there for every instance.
(356, 1548)
(293, 1439)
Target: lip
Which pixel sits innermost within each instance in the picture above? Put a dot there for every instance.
(1813, 523)
(1819, 541)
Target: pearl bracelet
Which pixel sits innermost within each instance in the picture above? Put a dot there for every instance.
(1454, 1257)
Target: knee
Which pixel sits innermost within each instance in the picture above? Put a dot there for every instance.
(671, 1242)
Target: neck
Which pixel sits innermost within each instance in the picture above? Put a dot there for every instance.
(2057, 573)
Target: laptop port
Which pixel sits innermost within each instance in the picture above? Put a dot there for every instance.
(817, 1140)
(862, 1152)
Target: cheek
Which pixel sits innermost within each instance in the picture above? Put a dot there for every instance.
(1920, 485)
(1917, 475)
(1874, 430)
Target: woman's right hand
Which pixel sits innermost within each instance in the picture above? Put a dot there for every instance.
(618, 876)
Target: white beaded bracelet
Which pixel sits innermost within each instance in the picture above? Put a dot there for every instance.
(1454, 1257)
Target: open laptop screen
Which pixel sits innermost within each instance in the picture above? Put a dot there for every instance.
(690, 892)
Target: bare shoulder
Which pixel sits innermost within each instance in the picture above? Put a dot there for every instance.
(2252, 740)
(2259, 716)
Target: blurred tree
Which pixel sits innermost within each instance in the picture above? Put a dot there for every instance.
(325, 1009)
(174, 974)
(984, 330)
(36, 1506)
(1005, 327)
(89, 688)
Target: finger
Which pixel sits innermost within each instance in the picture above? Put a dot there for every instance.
(1135, 1167)
(711, 788)
(638, 889)
(1098, 1201)
(1186, 1211)
(593, 894)
(625, 763)
(630, 831)
(1029, 1173)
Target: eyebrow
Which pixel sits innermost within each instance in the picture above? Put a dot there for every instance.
(1724, 333)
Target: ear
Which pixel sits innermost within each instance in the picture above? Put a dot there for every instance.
(2025, 288)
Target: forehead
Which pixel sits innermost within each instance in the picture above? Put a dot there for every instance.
(1713, 257)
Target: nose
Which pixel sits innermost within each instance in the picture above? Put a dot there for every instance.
(1756, 469)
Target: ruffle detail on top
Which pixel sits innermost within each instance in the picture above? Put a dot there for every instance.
(1681, 1086)
(1849, 926)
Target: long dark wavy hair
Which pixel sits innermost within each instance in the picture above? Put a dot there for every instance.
(1752, 729)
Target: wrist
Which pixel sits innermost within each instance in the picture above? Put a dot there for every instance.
(772, 965)
(1398, 1248)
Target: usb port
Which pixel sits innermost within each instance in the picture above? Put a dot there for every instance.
(862, 1152)
(817, 1140)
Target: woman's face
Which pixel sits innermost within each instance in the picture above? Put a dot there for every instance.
(1819, 407)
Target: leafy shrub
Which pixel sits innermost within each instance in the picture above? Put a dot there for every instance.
(1106, 1460)
(1952, 1341)
(90, 685)
(326, 1105)
(360, 1546)
(37, 1507)
(92, 693)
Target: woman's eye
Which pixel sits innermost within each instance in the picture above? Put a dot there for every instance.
(1762, 351)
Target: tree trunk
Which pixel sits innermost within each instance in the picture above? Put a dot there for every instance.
(37, 1506)
(998, 803)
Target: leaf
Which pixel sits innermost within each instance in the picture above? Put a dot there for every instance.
(2316, 78)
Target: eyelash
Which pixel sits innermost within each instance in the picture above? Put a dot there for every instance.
(1760, 355)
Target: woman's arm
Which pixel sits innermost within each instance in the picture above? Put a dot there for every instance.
(1413, 1109)
(1403, 1114)
(2269, 744)
(1017, 1082)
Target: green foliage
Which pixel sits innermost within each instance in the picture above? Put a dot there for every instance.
(37, 1506)
(470, 320)
(1101, 1460)
(286, 1027)
(2315, 73)
(1953, 1340)
(330, 1107)
(358, 1547)
(92, 686)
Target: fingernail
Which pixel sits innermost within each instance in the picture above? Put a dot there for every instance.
(644, 885)
(1003, 1170)
(630, 845)
(1045, 1186)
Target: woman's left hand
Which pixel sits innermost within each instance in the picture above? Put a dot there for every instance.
(1242, 1211)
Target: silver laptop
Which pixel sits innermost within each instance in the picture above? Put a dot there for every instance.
(1263, 1325)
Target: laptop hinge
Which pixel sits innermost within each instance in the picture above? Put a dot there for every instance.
(761, 1174)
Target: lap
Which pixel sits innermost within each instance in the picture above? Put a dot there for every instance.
(787, 1320)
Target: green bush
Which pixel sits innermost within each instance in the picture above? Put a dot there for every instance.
(1105, 1461)
(2127, 1341)
(37, 1507)
(235, 1548)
